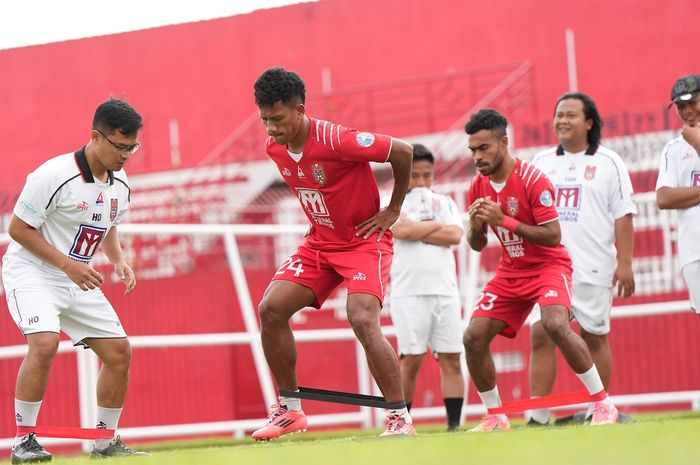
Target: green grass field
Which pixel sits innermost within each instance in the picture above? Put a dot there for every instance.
(651, 439)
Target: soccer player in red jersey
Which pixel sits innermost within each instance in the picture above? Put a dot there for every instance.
(327, 167)
(516, 200)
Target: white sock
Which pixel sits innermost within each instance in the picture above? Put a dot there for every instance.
(492, 399)
(107, 418)
(540, 415)
(591, 379)
(402, 412)
(291, 403)
(26, 414)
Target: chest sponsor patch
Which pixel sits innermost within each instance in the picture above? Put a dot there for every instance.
(86, 242)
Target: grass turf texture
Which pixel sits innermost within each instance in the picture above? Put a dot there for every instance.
(652, 439)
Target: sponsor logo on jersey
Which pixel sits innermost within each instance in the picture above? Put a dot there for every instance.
(100, 200)
(512, 206)
(359, 277)
(300, 173)
(589, 174)
(313, 202)
(286, 172)
(82, 206)
(572, 166)
(319, 173)
(86, 242)
(546, 199)
(568, 202)
(552, 293)
(113, 209)
(365, 139)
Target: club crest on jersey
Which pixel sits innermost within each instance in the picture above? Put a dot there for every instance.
(546, 199)
(100, 200)
(319, 173)
(695, 178)
(286, 172)
(82, 206)
(365, 139)
(512, 206)
(589, 174)
(113, 209)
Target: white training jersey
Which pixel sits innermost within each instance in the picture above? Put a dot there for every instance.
(71, 209)
(680, 167)
(592, 190)
(419, 268)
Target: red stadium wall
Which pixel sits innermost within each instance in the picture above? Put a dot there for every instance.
(628, 54)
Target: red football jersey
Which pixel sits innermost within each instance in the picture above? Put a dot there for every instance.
(528, 197)
(333, 181)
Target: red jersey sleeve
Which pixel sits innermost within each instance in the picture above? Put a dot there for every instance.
(353, 145)
(541, 198)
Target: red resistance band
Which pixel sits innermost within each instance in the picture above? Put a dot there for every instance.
(554, 400)
(66, 432)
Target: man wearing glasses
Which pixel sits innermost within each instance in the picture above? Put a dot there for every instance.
(69, 207)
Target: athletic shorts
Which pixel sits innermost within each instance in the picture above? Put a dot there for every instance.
(40, 302)
(511, 299)
(80, 314)
(363, 271)
(427, 320)
(691, 274)
(590, 306)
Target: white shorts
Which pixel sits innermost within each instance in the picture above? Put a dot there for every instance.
(691, 274)
(80, 314)
(427, 320)
(590, 306)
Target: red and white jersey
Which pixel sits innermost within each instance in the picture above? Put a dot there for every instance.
(71, 209)
(527, 196)
(592, 190)
(680, 167)
(333, 181)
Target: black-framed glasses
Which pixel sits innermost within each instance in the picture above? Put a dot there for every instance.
(120, 147)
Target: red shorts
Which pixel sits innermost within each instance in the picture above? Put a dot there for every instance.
(511, 299)
(364, 270)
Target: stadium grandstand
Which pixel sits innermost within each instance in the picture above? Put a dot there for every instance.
(210, 217)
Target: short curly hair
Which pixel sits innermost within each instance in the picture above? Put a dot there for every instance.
(117, 115)
(489, 119)
(279, 85)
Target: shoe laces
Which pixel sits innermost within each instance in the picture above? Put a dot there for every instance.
(120, 445)
(276, 412)
(31, 444)
(395, 422)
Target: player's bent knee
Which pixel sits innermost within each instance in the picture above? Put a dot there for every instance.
(474, 342)
(539, 338)
(43, 347)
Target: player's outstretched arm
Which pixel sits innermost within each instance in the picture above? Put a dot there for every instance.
(113, 250)
(80, 273)
(400, 158)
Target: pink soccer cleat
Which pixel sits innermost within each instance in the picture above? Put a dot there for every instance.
(396, 426)
(604, 414)
(490, 423)
(280, 422)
